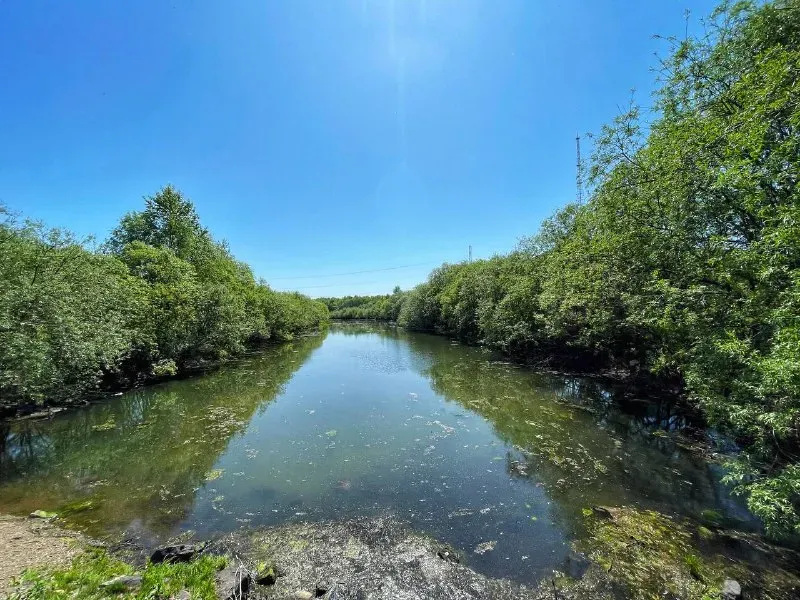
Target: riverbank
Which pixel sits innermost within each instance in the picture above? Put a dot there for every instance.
(41, 560)
(633, 554)
(554, 359)
(469, 449)
(78, 318)
(33, 543)
(499, 463)
(10, 410)
(377, 558)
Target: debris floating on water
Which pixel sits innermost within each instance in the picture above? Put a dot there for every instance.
(485, 547)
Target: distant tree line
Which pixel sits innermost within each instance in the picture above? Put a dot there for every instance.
(384, 307)
(685, 261)
(159, 296)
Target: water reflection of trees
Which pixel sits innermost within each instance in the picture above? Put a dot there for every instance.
(143, 456)
(584, 442)
(356, 328)
(614, 405)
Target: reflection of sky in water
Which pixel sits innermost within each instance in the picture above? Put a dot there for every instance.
(372, 421)
(368, 444)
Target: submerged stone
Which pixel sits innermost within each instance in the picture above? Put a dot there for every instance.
(518, 468)
(731, 590)
(485, 547)
(78, 506)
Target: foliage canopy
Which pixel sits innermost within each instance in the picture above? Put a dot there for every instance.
(160, 295)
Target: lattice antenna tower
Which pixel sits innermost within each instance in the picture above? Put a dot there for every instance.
(579, 173)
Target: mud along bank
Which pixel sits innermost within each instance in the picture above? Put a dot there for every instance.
(630, 555)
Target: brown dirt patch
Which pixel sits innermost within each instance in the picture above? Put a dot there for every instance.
(26, 543)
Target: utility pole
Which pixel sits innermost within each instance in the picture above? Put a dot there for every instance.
(686, 14)
(470, 253)
(579, 174)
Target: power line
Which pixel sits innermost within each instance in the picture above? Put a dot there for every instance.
(328, 275)
(327, 285)
(353, 272)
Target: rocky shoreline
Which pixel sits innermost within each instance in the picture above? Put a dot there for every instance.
(376, 558)
(359, 559)
(632, 555)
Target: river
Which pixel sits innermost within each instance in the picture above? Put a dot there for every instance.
(365, 420)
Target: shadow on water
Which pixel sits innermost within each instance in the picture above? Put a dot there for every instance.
(582, 439)
(140, 458)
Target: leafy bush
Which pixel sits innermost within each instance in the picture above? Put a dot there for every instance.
(161, 294)
(686, 259)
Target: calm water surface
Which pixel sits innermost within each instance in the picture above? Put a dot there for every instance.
(366, 420)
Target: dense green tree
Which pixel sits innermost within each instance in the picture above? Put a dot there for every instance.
(685, 261)
(380, 308)
(63, 313)
(162, 296)
(168, 221)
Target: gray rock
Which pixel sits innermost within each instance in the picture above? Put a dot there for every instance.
(575, 565)
(302, 595)
(233, 583)
(181, 553)
(182, 595)
(448, 553)
(602, 513)
(123, 582)
(321, 588)
(41, 414)
(731, 590)
(267, 575)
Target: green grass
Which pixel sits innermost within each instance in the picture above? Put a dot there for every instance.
(83, 579)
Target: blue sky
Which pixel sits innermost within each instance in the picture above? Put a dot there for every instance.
(322, 139)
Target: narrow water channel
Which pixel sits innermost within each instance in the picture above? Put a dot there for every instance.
(364, 420)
